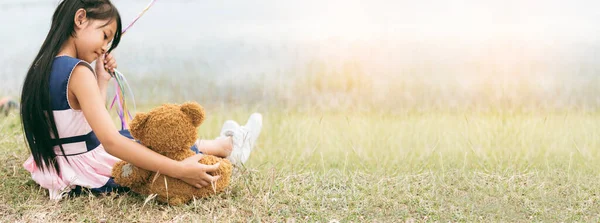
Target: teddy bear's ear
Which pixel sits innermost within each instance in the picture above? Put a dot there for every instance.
(138, 124)
(194, 111)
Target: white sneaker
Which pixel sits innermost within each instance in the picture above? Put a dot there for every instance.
(240, 141)
(244, 138)
(254, 126)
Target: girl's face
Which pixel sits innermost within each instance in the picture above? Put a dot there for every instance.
(92, 37)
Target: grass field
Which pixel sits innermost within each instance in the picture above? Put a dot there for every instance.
(356, 166)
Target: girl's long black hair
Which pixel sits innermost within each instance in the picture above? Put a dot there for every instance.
(36, 110)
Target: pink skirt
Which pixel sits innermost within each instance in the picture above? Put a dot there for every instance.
(89, 170)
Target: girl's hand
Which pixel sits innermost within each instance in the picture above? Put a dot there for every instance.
(195, 173)
(104, 64)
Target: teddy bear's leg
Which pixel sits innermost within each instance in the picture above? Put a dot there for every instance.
(128, 175)
(162, 199)
(170, 198)
(177, 200)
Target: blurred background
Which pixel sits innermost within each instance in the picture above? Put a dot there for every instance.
(374, 111)
(334, 54)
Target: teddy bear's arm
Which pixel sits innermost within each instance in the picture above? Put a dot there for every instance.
(128, 175)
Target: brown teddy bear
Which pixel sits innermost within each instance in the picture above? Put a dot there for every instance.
(170, 130)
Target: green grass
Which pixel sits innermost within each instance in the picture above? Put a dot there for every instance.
(356, 166)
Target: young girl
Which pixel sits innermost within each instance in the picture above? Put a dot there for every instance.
(72, 139)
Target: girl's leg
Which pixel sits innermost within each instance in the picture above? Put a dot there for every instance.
(220, 147)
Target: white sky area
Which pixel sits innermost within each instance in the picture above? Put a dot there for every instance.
(360, 19)
(220, 33)
(470, 19)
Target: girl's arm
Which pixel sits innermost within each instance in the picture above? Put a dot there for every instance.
(104, 77)
(102, 86)
(84, 86)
